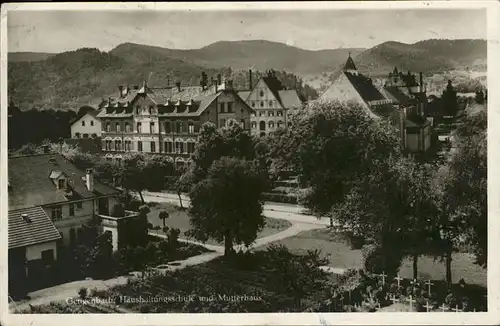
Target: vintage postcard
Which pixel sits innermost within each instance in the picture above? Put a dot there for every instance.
(257, 163)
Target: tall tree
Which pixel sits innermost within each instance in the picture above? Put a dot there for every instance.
(227, 204)
(333, 144)
(464, 217)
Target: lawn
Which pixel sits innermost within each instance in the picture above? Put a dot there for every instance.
(342, 256)
(179, 219)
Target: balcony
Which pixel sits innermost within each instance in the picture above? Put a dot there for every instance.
(115, 222)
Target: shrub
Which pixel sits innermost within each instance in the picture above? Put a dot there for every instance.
(118, 210)
(82, 293)
(378, 259)
(173, 236)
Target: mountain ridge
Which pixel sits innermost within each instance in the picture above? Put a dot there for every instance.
(71, 79)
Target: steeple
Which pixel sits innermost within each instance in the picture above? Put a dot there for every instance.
(349, 65)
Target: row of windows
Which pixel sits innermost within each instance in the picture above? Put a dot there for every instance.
(168, 146)
(226, 107)
(56, 211)
(167, 127)
(262, 103)
(91, 123)
(270, 113)
(271, 124)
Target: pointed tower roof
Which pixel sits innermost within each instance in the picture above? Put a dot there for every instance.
(349, 65)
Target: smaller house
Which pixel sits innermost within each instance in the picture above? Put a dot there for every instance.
(86, 124)
(271, 102)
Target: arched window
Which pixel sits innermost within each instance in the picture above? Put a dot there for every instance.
(262, 104)
(270, 103)
(254, 124)
(127, 127)
(262, 125)
(108, 127)
(77, 134)
(118, 129)
(139, 127)
(261, 93)
(271, 124)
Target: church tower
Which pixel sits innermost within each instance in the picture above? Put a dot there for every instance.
(349, 66)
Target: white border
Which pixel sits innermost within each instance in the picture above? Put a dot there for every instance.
(491, 317)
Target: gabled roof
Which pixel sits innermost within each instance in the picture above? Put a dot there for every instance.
(90, 111)
(287, 98)
(31, 185)
(38, 229)
(349, 64)
(364, 87)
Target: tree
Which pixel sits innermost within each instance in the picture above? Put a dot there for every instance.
(134, 178)
(163, 216)
(463, 182)
(227, 204)
(393, 209)
(155, 171)
(332, 144)
(99, 262)
(450, 101)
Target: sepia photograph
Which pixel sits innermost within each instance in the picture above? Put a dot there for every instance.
(244, 158)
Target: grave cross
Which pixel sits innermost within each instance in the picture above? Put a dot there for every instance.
(398, 279)
(383, 276)
(427, 306)
(429, 284)
(394, 299)
(410, 300)
(443, 307)
(456, 309)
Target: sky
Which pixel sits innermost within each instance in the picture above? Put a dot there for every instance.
(58, 31)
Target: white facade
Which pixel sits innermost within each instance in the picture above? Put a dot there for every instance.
(34, 252)
(86, 127)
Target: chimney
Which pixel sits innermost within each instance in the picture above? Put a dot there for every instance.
(89, 178)
(178, 85)
(421, 82)
(26, 218)
(120, 91)
(214, 82)
(250, 79)
(219, 79)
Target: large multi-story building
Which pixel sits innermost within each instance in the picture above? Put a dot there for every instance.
(168, 120)
(271, 102)
(50, 204)
(402, 100)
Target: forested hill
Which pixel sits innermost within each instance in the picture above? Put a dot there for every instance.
(72, 79)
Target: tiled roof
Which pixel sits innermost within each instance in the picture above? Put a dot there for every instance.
(364, 87)
(31, 185)
(396, 94)
(290, 98)
(38, 229)
(167, 98)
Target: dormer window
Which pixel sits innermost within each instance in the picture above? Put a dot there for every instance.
(61, 184)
